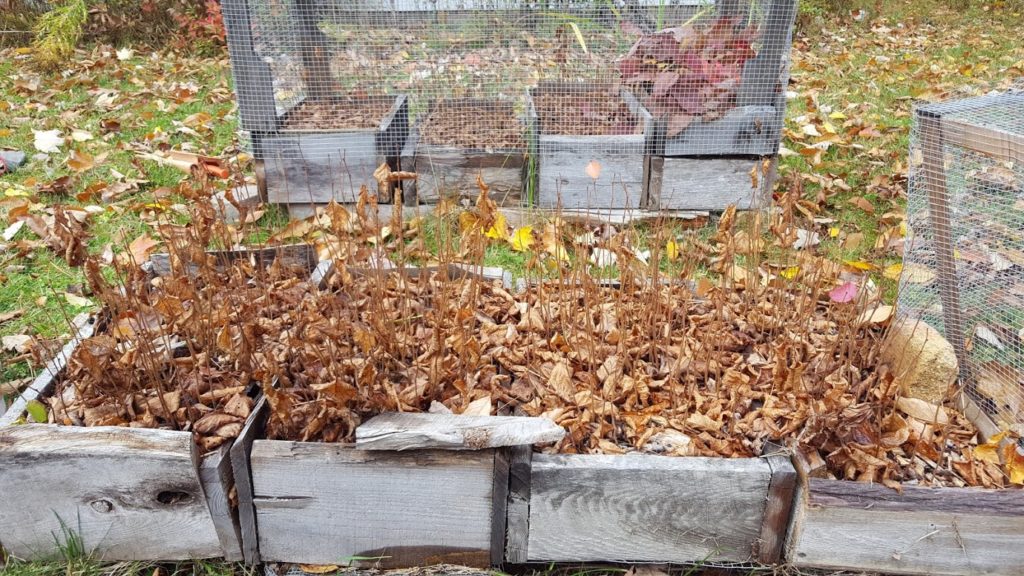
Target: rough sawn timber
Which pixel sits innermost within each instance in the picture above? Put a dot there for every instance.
(853, 526)
(128, 494)
(330, 504)
(640, 508)
(706, 183)
(409, 431)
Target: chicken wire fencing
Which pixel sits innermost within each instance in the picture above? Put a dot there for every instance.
(562, 102)
(963, 270)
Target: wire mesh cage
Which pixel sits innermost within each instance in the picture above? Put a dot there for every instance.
(963, 271)
(572, 103)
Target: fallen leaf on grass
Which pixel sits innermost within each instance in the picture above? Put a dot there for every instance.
(917, 273)
(17, 343)
(522, 239)
(672, 250)
(141, 247)
(48, 141)
(76, 300)
(11, 231)
(8, 316)
(893, 271)
(843, 293)
(863, 203)
(80, 161)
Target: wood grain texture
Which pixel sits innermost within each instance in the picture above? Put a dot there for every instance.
(702, 183)
(517, 530)
(744, 130)
(452, 172)
(217, 479)
(129, 494)
(645, 508)
(777, 509)
(999, 144)
(409, 431)
(243, 480)
(499, 504)
(852, 526)
(43, 383)
(325, 503)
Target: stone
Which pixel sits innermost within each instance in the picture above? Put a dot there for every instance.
(923, 362)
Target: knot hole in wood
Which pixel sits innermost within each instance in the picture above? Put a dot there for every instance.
(102, 505)
(174, 497)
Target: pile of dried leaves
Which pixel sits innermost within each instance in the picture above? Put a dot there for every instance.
(473, 124)
(690, 72)
(351, 112)
(597, 112)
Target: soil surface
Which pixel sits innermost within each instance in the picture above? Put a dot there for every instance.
(585, 114)
(339, 113)
(473, 124)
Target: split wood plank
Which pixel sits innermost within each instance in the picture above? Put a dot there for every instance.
(640, 508)
(329, 503)
(217, 478)
(841, 525)
(128, 494)
(777, 509)
(243, 480)
(414, 431)
(518, 509)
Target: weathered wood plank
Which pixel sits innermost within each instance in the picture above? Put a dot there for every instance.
(243, 480)
(43, 384)
(842, 525)
(412, 431)
(518, 509)
(704, 183)
(645, 508)
(217, 479)
(777, 509)
(452, 172)
(128, 494)
(327, 503)
(499, 504)
(300, 256)
(998, 144)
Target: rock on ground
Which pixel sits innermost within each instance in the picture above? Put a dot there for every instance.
(923, 362)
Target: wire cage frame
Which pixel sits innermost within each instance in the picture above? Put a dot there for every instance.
(963, 270)
(570, 103)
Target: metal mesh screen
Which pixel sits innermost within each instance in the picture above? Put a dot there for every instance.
(963, 270)
(544, 99)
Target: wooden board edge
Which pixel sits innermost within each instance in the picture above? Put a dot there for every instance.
(778, 509)
(499, 504)
(518, 507)
(240, 451)
(217, 480)
(84, 325)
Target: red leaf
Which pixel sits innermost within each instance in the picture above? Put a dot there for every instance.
(843, 293)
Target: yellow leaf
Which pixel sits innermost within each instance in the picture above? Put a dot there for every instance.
(892, 271)
(833, 232)
(16, 192)
(594, 169)
(672, 250)
(318, 568)
(837, 116)
(500, 229)
(790, 273)
(522, 239)
(1015, 464)
(859, 264)
(918, 273)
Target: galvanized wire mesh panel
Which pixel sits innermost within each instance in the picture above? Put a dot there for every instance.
(513, 89)
(963, 270)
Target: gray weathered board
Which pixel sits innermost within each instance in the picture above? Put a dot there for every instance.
(450, 171)
(317, 166)
(126, 494)
(562, 160)
(644, 508)
(842, 525)
(706, 183)
(332, 504)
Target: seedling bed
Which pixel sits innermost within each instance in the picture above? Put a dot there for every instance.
(591, 144)
(458, 141)
(327, 150)
(125, 483)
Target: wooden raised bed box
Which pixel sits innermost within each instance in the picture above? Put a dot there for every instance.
(459, 140)
(562, 159)
(122, 493)
(306, 161)
(853, 526)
